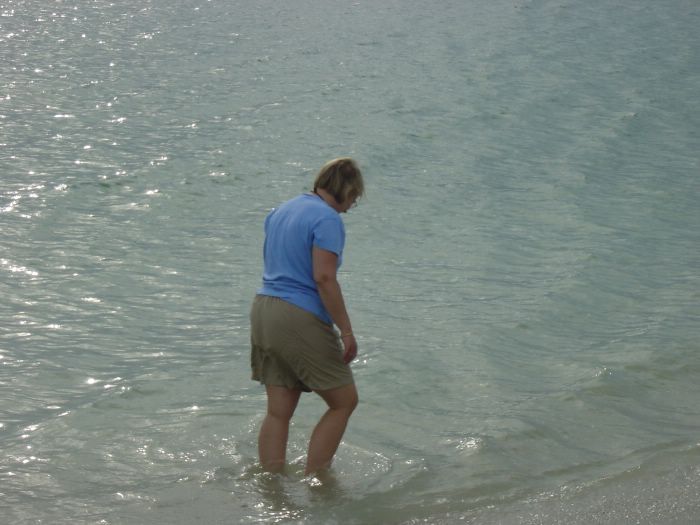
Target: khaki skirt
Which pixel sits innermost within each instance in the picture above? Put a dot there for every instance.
(293, 348)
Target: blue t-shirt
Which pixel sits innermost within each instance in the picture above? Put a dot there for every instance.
(291, 231)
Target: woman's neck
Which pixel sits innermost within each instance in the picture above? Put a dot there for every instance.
(327, 198)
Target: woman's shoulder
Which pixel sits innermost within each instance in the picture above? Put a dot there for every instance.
(308, 209)
(313, 204)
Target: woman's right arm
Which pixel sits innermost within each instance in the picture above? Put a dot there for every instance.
(325, 268)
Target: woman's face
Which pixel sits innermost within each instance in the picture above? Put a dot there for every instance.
(348, 203)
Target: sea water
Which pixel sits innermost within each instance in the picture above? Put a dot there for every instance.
(523, 274)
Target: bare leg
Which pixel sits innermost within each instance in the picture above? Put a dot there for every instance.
(329, 430)
(272, 441)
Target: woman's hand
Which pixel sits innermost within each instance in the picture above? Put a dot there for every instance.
(350, 345)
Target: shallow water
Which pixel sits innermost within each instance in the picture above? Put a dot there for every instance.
(523, 274)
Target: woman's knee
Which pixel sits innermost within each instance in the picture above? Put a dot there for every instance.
(354, 399)
(282, 402)
(342, 398)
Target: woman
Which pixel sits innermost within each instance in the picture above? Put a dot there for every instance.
(294, 346)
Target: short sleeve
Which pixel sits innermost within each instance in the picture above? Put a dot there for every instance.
(329, 234)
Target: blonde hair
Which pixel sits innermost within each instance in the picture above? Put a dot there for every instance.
(341, 178)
